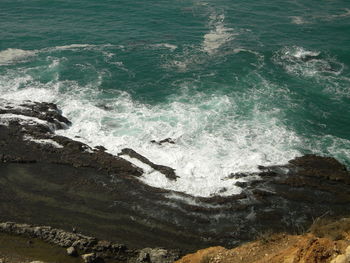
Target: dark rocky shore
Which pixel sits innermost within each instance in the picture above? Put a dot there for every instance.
(46, 179)
(90, 248)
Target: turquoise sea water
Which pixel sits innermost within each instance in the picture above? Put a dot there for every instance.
(236, 84)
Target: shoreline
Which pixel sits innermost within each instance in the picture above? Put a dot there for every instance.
(48, 179)
(327, 240)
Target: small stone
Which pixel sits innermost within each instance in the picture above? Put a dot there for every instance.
(71, 251)
(92, 258)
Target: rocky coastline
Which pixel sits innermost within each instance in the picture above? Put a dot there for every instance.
(90, 248)
(47, 179)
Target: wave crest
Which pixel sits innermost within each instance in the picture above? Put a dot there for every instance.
(14, 55)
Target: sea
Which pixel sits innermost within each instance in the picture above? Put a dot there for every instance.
(235, 84)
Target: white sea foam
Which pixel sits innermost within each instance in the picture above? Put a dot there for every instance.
(299, 52)
(77, 46)
(299, 61)
(336, 147)
(218, 34)
(192, 55)
(13, 55)
(345, 14)
(5, 104)
(22, 119)
(43, 141)
(209, 144)
(73, 46)
(165, 45)
(212, 141)
(298, 20)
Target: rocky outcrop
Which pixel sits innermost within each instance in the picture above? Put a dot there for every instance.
(29, 136)
(44, 111)
(91, 249)
(167, 171)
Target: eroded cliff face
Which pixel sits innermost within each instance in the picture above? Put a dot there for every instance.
(47, 179)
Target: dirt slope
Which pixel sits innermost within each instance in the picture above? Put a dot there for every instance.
(326, 242)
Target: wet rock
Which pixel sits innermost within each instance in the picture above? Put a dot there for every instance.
(29, 137)
(100, 148)
(237, 175)
(241, 184)
(71, 251)
(167, 171)
(223, 190)
(42, 110)
(167, 140)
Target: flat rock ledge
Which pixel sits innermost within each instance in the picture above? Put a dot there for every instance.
(101, 249)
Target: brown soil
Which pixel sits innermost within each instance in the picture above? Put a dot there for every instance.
(282, 248)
